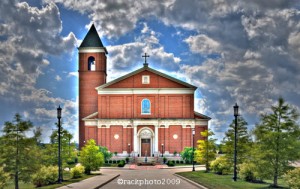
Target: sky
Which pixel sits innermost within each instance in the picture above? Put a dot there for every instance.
(234, 51)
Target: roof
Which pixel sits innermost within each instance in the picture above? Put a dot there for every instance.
(201, 116)
(92, 39)
(145, 67)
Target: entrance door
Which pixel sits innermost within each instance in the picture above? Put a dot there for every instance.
(145, 150)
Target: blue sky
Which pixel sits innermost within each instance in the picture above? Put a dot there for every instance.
(231, 50)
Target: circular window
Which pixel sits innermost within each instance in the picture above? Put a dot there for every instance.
(116, 136)
(175, 136)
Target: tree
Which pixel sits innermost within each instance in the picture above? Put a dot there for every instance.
(91, 158)
(107, 155)
(18, 152)
(206, 149)
(68, 148)
(243, 141)
(277, 137)
(187, 154)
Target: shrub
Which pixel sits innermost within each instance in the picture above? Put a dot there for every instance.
(45, 176)
(165, 159)
(127, 159)
(114, 161)
(118, 161)
(121, 163)
(177, 161)
(171, 163)
(4, 178)
(292, 178)
(220, 166)
(106, 161)
(77, 171)
(248, 172)
(181, 161)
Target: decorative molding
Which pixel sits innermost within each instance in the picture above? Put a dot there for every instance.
(146, 91)
(91, 49)
(186, 123)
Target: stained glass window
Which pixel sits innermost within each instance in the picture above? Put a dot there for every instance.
(146, 106)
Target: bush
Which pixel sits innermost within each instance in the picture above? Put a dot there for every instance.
(220, 166)
(114, 161)
(292, 178)
(127, 159)
(118, 161)
(177, 161)
(171, 163)
(45, 176)
(181, 161)
(77, 171)
(248, 172)
(121, 163)
(4, 178)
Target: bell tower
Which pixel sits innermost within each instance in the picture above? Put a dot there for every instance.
(92, 73)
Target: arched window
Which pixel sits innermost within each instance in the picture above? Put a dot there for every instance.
(91, 64)
(146, 106)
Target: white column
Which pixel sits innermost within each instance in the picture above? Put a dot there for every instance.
(156, 139)
(135, 142)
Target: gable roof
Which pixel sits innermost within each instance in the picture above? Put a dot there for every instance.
(201, 116)
(145, 67)
(91, 39)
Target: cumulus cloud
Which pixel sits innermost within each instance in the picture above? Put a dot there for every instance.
(249, 49)
(28, 36)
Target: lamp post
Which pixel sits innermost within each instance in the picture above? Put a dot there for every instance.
(129, 149)
(236, 114)
(59, 148)
(162, 150)
(193, 132)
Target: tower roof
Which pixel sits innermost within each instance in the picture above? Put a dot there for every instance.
(91, 39)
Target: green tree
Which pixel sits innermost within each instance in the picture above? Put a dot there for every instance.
(277, 138)
(4, 178)
(91, 158)
(18, 152)
(107, 155)
(243, 141)
(68, 149)
(187, 154)
(206, 149)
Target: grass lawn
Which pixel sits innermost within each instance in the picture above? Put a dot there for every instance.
(214, 181)
(67, 180)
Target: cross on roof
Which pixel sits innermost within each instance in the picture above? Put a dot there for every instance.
(145, 56)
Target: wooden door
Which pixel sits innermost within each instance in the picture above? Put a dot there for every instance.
(145, 150)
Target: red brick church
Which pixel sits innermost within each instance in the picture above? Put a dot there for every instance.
(145, 112)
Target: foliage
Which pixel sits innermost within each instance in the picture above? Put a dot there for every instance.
(206, 149)
(277, 140)
(292, 178)
(187, 154)
(248, 172)
(107, 155)
(243, 141)
(45, 176)
(220, 166)
(18, 152)
(77, 171)
(171, 163)
(121, 163)
(175, 153)
(68, 149)
(4, 178)
(90, 157)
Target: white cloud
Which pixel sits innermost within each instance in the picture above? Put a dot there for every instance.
(202, 44)
(57, 78)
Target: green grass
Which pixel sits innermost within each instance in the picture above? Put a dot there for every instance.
(110, 165)
(214, 181)
(67, 180)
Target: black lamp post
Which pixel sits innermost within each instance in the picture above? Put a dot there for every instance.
(129, 149)
(162, 150)
(236, 114)
(193, 132)
(59, 149)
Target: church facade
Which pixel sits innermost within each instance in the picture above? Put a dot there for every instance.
(143, 113)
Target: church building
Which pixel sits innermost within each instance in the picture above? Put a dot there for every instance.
(145, 112)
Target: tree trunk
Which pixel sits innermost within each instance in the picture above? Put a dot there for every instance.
(16, 181)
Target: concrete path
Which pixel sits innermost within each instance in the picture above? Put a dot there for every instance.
(96, 181)
(132, 176)
(150, 177)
